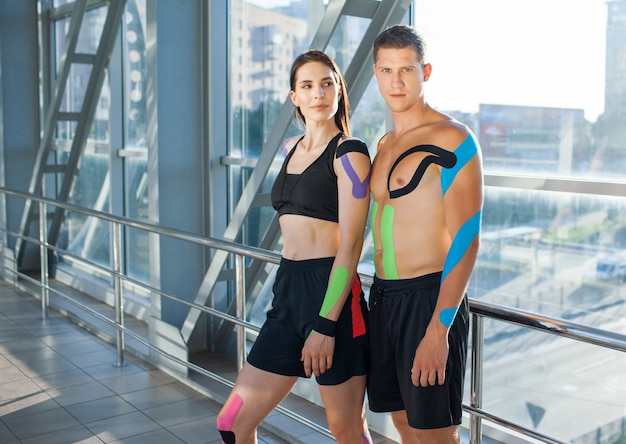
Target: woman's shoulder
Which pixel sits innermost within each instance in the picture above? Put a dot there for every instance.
(350, 144)
(290, 142)
(348, 138)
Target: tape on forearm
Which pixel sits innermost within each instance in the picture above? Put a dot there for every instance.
(335, 289)
(447, 315)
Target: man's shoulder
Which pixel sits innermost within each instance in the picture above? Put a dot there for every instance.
(447, 134)
(451, 127)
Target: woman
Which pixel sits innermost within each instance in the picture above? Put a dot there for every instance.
(317, 321)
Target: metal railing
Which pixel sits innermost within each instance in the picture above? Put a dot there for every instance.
(479, 309)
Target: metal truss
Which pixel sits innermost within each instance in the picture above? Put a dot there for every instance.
(358, 75)
(80, 119)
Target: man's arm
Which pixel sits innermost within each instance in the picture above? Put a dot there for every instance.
(462, 188)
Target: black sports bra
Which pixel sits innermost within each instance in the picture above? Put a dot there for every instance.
(314, 192)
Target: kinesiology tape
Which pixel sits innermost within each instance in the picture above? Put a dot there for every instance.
(227, 418)
(389, 270)
(336, 287)
(386, 234)
(439, 156)
(459, 247)
(468, 231)
(360, 188)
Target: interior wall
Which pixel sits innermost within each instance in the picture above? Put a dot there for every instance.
(179, 167)
(19, 85)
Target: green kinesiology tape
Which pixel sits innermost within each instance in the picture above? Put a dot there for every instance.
(337, 285)
(389, 252)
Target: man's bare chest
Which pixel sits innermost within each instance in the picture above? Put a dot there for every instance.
(397, 173)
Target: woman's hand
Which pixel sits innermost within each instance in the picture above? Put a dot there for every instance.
(317, 354)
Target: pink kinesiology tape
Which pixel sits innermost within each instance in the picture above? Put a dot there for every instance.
(231, 409)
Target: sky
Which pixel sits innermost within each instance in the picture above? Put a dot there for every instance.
(547, 53)
(531, 52)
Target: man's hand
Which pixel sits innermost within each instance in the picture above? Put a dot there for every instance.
(431, 356)
(317, 354)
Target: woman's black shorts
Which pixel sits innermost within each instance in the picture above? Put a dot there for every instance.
(299, 290)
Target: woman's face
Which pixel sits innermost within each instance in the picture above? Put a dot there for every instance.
(316, 92)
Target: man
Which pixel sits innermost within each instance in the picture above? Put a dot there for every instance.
(427, 193)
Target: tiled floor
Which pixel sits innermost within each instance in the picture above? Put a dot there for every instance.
(60, 384)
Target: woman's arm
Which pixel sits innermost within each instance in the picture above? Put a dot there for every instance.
(352, 166)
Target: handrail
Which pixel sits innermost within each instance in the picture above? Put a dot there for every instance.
(231, 247)
(549, 324)
(478, 309)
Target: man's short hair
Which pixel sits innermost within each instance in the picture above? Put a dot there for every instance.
(399, 37)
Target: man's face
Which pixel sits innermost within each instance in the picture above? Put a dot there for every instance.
(400, 77)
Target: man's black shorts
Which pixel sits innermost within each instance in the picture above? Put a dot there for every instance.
(400, 311)
(299, 290)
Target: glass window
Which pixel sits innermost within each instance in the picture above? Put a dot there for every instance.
(84, 236)
(569, 391)
(268, 36)
(543, 104)
(542, 84)
(542, 101)
(135, 166)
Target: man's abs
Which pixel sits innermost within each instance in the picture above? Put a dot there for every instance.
(407, 244)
